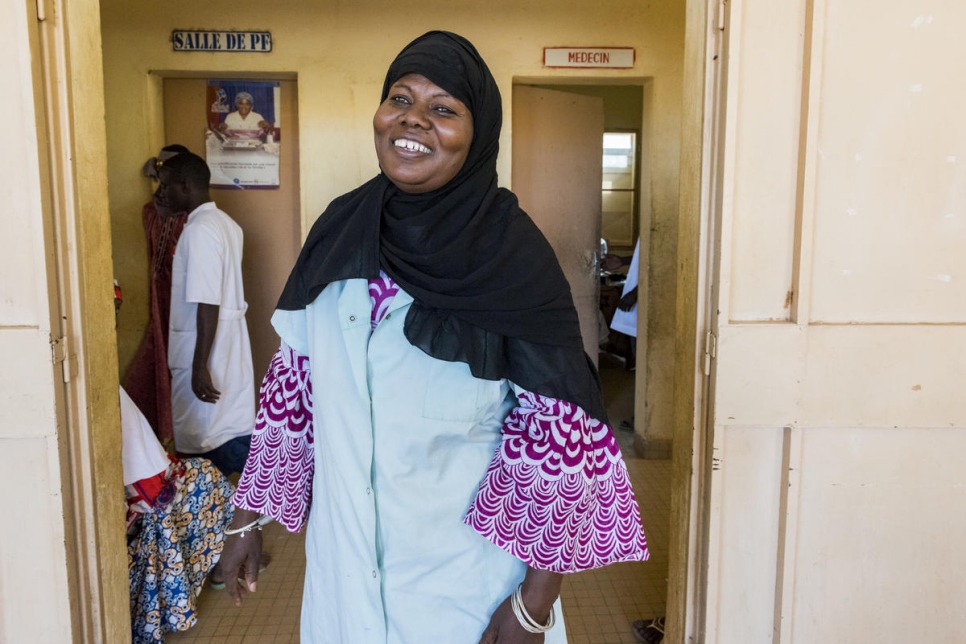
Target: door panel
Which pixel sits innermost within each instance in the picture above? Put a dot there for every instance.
(557, 151)
(269, 218)
(836, 479)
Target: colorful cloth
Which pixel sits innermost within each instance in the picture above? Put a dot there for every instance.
(556, 495)
(148, 381)
(147, 467)
(278, 483)
(381, 292)
(402, 444)
(277, 480)
(175, 546)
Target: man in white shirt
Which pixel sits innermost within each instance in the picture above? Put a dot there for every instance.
(209, 351)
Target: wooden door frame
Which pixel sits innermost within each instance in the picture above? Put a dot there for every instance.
(72, 149)
(103, 612)
(702, 137)
(698, 253)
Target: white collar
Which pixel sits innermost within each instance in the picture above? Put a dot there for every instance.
(208, 205)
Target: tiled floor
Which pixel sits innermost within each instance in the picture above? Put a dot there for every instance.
(599, 605)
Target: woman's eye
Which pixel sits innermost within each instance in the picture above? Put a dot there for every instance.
(442, 109)
(401, 100)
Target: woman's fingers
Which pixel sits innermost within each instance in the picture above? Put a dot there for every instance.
(240, 558)
(251, 569)
(235, 589)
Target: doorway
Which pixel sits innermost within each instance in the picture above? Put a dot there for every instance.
(269, 218)
(694, 106)
(560, 179)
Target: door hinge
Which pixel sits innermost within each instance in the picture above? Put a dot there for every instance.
(718, 30)
(721, 15)
(60, 355)
(710, 351)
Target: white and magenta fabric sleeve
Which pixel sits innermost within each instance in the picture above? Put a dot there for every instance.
(277, 480)
(557, 494)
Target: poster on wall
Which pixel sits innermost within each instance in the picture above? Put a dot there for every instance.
(243, 135)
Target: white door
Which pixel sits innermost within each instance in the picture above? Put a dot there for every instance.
(837, 486)
(557, 152)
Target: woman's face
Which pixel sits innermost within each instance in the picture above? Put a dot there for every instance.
(422, 135)
(244, 108)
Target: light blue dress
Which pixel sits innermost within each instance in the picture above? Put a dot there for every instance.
(402, 441)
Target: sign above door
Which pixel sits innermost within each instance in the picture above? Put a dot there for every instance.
(596, 57)
(259, 42)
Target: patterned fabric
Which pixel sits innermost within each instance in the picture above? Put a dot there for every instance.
(277, 480)
(176, 545)
(557, 494)
(145, 494)
(381, 292)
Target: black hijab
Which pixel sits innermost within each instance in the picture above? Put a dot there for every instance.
(487, 287)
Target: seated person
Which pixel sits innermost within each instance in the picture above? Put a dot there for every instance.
(168, 560)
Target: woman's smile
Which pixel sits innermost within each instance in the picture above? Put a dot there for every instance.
(414, 146)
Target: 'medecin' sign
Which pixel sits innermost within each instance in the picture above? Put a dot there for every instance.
(259, 42)
(600, 57)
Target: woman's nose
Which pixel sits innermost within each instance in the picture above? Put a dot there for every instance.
(417, 116)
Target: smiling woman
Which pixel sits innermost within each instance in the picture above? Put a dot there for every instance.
(432, 396)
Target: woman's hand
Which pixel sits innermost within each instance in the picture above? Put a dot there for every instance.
(240, 557)
(505, 629)
(540, 590)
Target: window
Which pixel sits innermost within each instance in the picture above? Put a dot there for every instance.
(618, 193)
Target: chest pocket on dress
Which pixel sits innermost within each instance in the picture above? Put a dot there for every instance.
(453, 394)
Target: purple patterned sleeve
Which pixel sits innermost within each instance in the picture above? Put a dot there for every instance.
(277, 480)
(557, 494)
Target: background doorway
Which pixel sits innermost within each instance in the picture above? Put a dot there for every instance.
(269, 218)
(560, 179)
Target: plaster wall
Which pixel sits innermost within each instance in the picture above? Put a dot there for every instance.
(339, 52)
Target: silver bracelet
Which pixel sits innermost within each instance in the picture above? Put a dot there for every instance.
(254, 525)
(529, 624)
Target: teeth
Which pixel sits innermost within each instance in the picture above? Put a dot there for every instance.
(411, 145)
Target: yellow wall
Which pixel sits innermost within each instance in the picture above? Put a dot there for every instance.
(340, 52)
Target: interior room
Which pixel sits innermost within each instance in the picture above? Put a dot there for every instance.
(155, 93)
(799, 328)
